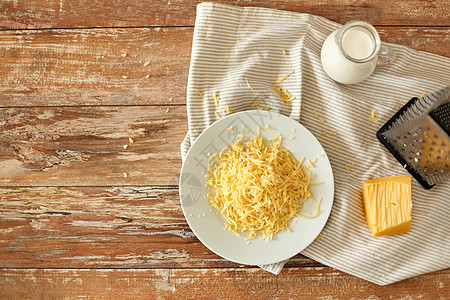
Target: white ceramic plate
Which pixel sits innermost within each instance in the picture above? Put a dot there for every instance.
(208, 226)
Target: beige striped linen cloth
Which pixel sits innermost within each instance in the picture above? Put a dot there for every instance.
(235, 45)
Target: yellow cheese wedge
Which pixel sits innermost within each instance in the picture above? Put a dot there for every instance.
(387, 204)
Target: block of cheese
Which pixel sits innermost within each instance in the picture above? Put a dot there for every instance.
(387, 204)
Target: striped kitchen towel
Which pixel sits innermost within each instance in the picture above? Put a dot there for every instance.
(239, 50)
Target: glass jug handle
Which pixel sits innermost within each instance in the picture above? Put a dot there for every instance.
(386, 55)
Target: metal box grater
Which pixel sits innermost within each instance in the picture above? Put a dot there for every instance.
(418, 135)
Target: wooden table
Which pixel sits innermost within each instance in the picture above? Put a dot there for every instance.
(93, 111)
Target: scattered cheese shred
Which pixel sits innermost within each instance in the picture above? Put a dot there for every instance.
(147, 76)
(131, 140)
(124, 77)
(199, 93)
(170, 99)
(216, 98)
(324, 132)
(257, 187)
(125, 175)
(125, 147)
(284, 77)
(146, 63)
(230, 129)
(347, 168)
(292, 137)
(317, 116)
(217, 114)
(372, 116)
(423, 94)
(293, 129)
(228, 110)
(255, 104)
(320, 236)
(248, 84)
(285, 95)
(316, 213)
(284, 52)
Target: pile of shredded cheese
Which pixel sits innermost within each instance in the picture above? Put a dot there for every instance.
(258, 188)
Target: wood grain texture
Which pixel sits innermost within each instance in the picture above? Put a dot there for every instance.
(77, 80)
(94, 227)
(233, 283)
(83, 146)
(88, 67)
(21, 14)
(94, 67)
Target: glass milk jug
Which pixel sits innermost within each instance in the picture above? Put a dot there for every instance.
(350, 54)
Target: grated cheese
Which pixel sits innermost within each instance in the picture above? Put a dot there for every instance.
(285, 95)
(284, 77)
(228, 110)
(423, 94)
(216, 98)
(317, 116)
(284, 52)
(248, 84)
(372, 116)
(255, 104)
(320, 236)
(257, 187)
(347, 168)
(217, 114)
(316, 213)
(199, 93)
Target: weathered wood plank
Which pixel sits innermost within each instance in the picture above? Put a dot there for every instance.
(94, 227)
(293, 283)
(70, 13)
(84, 146)
(86, 67)
(94, 66)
